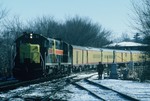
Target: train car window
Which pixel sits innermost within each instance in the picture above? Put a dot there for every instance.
(46, 44)
(57, 44)
(125, 54)
(51, 43)
(110, 56)
(96, 56)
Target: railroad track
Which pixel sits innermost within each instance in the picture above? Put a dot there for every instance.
(8, 82)
(43, 91)
(68, 82)
(10, 85)
(136, 89)
(15, 84)
(103, 93)
(55, 85)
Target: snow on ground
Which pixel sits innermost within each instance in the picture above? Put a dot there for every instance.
(35, 90)
(133, 88)
(44, 89)
(83, 75)
(71, 93)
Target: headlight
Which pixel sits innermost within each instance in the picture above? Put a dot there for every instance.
(31, 36)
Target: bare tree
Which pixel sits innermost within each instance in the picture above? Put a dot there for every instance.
(81, 31)
(125, 37)
(3, 12)
(46, 26)
(3, 70)
(77, 31)
(13, 28)
(142, 23)
(142, 16)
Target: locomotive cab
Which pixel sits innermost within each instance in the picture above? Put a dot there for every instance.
(29, 60)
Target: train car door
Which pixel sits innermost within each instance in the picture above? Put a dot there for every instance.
(114, 56)
(101, 55)
(87, 55)
(70, 54)
(66, 51)
(131, 58)
(77, 57)
(82, 56)
(122, 57)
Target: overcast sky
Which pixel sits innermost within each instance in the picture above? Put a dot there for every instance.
(111, 14)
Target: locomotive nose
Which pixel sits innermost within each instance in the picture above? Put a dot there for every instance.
(30, 53)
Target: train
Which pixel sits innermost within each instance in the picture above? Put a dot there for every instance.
(38, 56)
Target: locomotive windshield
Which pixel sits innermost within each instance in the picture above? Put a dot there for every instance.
(29, 53)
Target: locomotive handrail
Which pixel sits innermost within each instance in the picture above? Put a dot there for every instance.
(42, 61)
(13, 56)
